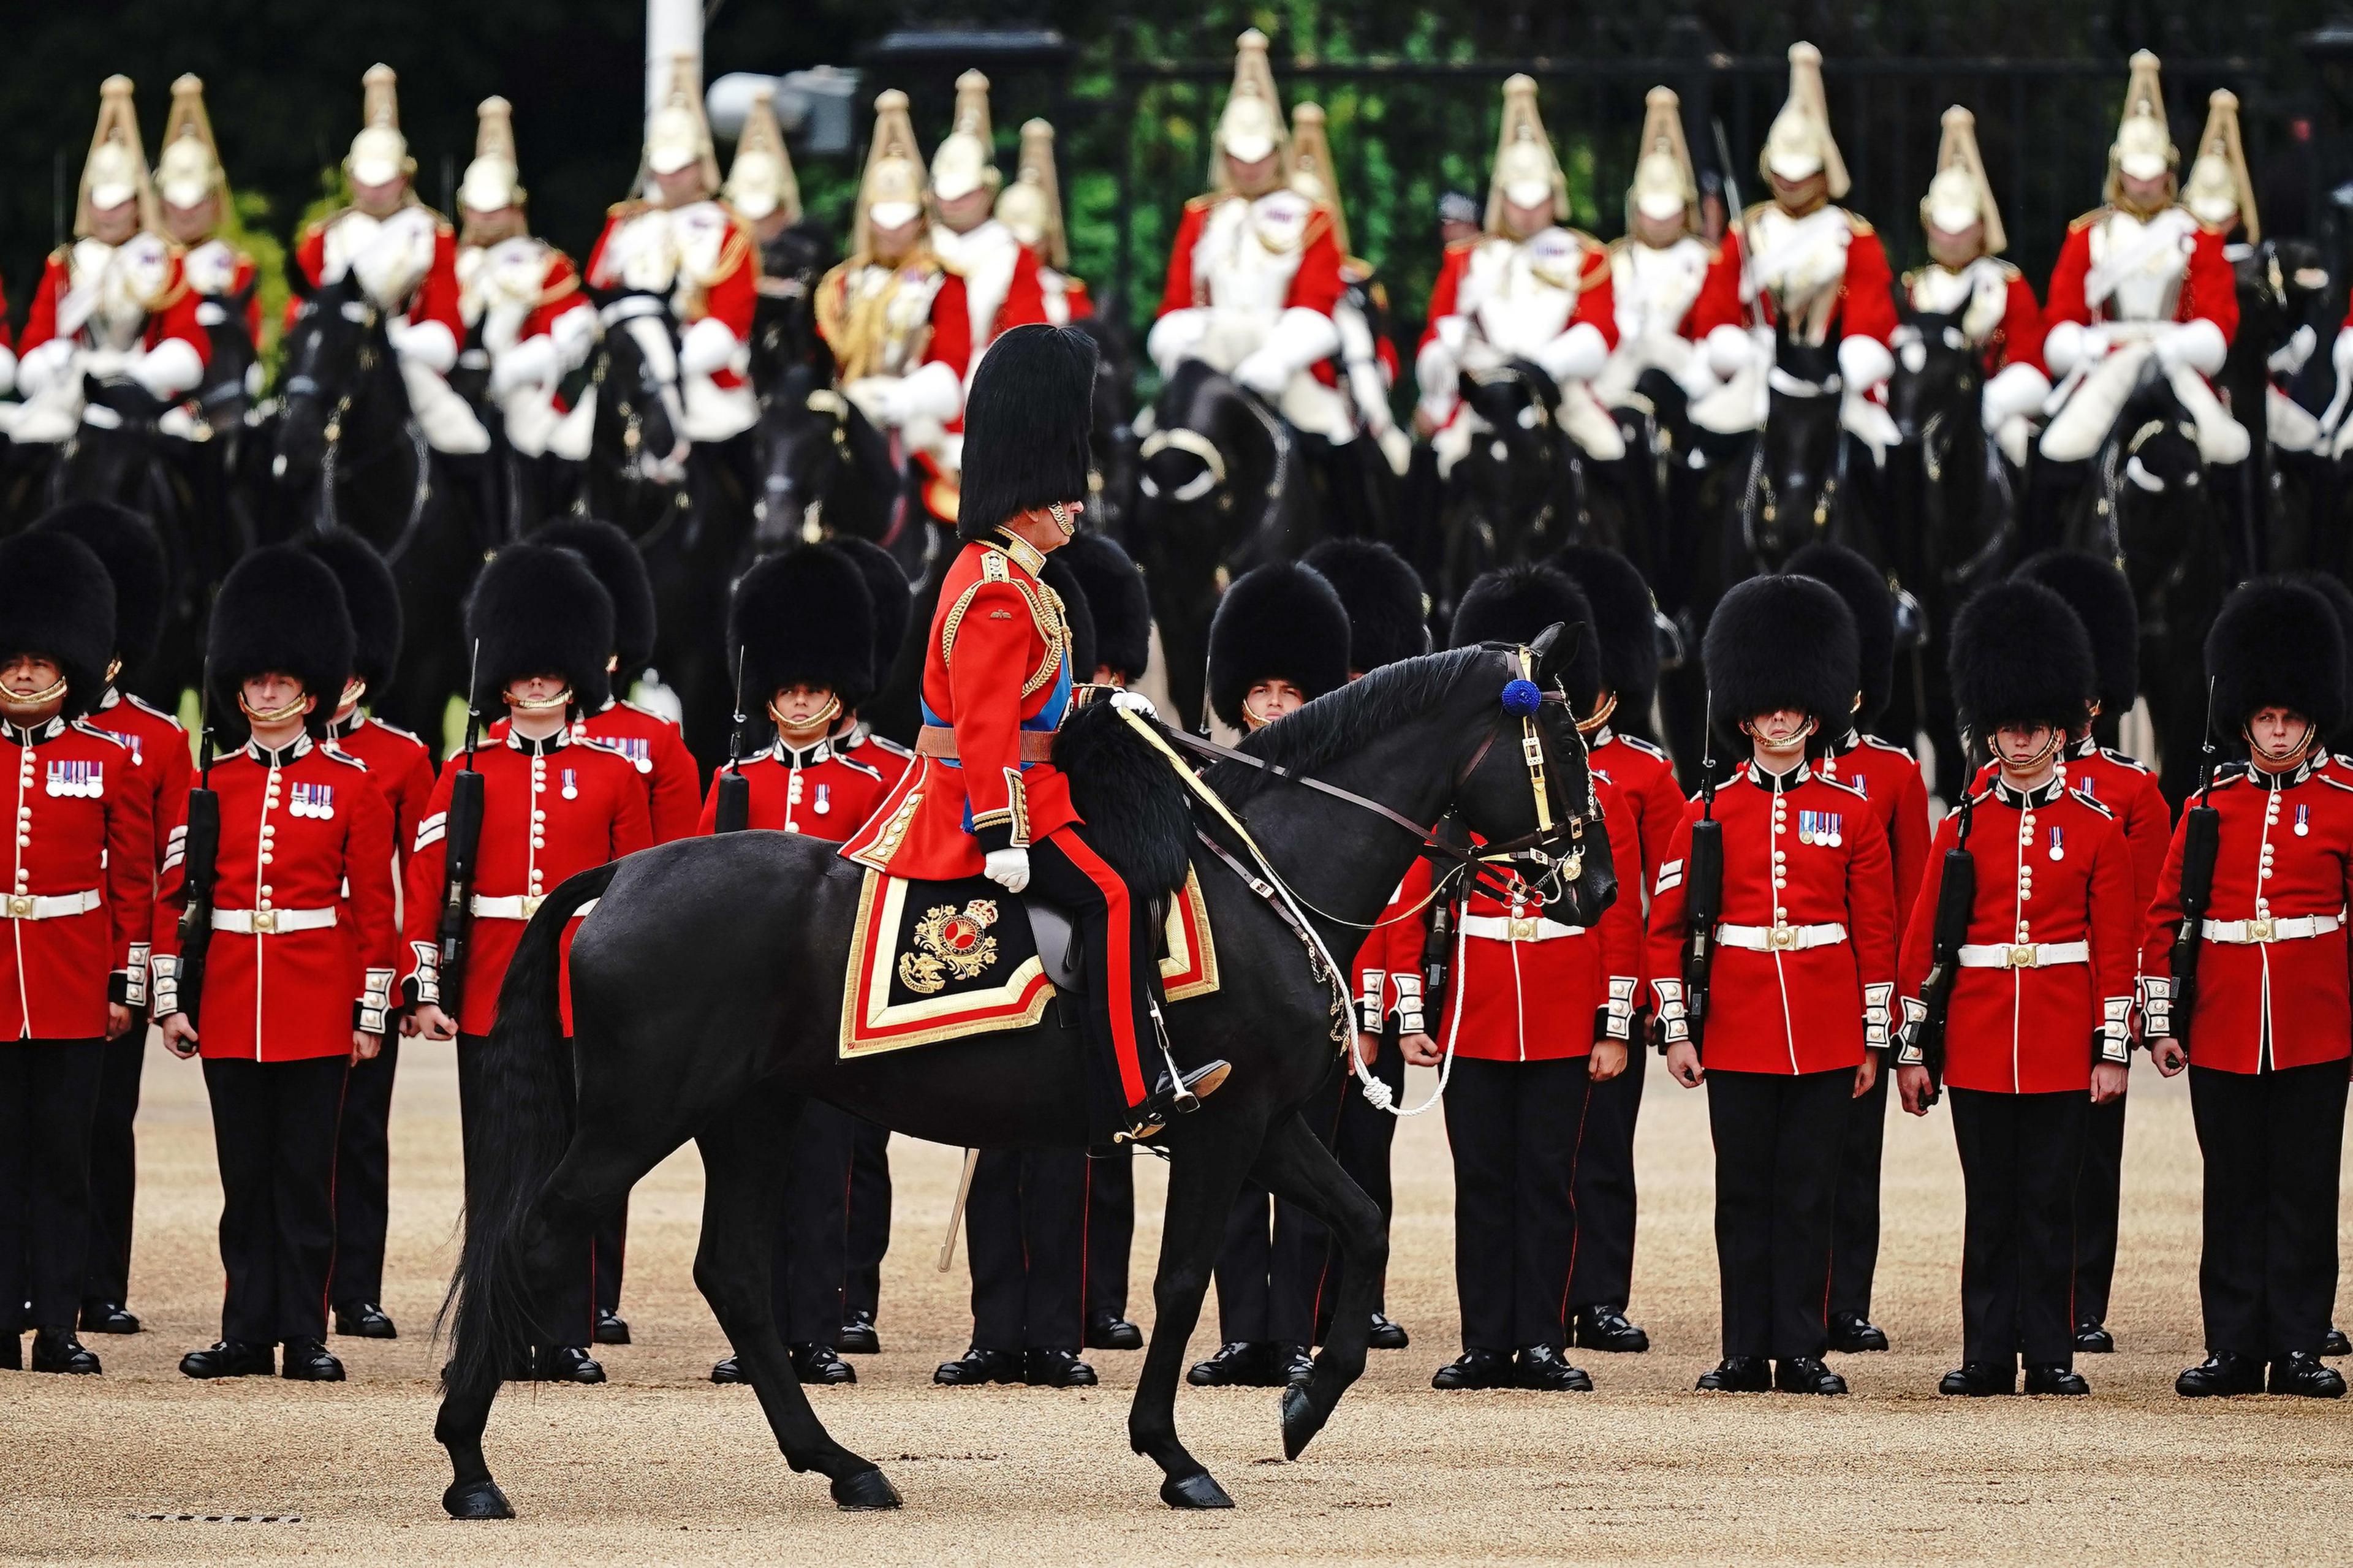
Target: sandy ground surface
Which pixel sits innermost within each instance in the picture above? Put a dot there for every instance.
(662, 1467)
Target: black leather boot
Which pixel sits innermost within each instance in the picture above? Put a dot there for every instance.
(2064, 1380)
(977, 1366)
(1544, 1368)
(1980, 1380)
(570, 1363)
(1171, 1098)
(728, 1371)
(610, 1329)
(1738, 1374)
(1605, 1328)
(365, 1320)
(307, 1361)
(1387, 1335)
(231, 1358)
(57, 1350)
(2093, 1339)
(1475, 1369)
(2298, 1372)
(2337, 1343)
(1854, 1334)
(818, 1364)
(1291, 1364)
(2220, 1373)
(1106, 1331)
(108, 1318)
(1056, 1369)
(1239, 1364)
(1804, 1374)
(858, 1335)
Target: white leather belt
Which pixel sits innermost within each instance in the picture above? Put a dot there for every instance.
(271, 922)
(629, 306)
(49, 906)
(2293, 928)
(518, 906)
(2023, 954)
(1780, 939)
(1525, 928)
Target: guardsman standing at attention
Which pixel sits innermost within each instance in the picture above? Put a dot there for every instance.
(2034, 993)
(78, 887)
(2263, 1021)
(293, 982)
(1031, 206)
(553, 802)
(1799, 977)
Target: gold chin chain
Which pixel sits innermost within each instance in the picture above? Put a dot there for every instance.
(541, 704)
(1061, 517)
(824, 716)
(49, 693)
(278, 715)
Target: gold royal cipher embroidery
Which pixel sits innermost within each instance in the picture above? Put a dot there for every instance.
(952, 944)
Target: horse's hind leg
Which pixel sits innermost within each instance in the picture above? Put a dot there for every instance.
(1296, 1165)
(743, 1159)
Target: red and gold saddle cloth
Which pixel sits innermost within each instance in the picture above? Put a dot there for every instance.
(936, 960)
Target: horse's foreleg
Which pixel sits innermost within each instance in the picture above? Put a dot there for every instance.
(1296, 1166)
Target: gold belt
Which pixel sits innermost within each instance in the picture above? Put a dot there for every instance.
(939, 740)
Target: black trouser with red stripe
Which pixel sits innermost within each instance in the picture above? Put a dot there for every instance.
(813, 1228)
(274, 1133)
(1025, 1224)
(2099, 1201)
(364, 1178)
(2018, 1157)
(114, 1164)
(1604, 1190)
(1778, 1140)
(1120, 954)
(48, 1091)
(1513, 1130)
(870, 1216)
(2272, 1143)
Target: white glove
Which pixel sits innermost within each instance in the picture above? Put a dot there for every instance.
(531, 362)
(2064, 346)
(2014, 390)
(574, 334)
(1453, 331)
(706, 347)
(928, 392)
(1266, 373)
(2340, 360)
(2193, 345)
(1729, 351)
(1177, 337)
(1134, 702)
(167, 370)
(1008, 869)
(2289, 359)
(1437, 372)
(1300, 338)
(1864, 362)
(1577, 354)
(427, 343)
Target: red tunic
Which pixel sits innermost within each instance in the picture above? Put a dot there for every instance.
(886, 757)
(175, 316)
(730, 295)
(1315, 285)
(1645, 777)
(2129, 791)
(305, 842)
(218, 271)
(1899, 799)
(2210, 289)
(401, 765)
(822, 791)
(76, 904)
(1597, 293)
(657, 748)
(1866, 299)
(436, 298)
(1388, 969)
(158, 756)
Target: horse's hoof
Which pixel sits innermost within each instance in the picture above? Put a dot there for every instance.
(476, 1499)
(866, 1491)
(1300, 1422)
(1199, 1490)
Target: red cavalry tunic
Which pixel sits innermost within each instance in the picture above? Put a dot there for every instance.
(436, 298)
(996, 672)
(550, 808)
(2046, 986)
(822, 791)
(2014, 337)
(303, 902)
(2209, 291)
(159, 756)
(1891, 778)
(1866, 298)
(81, 880)
(172, 314)
(2272, 977)
(728, 291)
(1596, 297)
(1804, 974)
(1316, 285)
(657, 750)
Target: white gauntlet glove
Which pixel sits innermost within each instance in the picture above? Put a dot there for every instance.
(1008, 869)
(1134, 702)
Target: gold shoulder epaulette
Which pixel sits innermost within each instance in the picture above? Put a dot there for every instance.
(2076, 226)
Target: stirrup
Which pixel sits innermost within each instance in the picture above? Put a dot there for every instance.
(1185, 1102)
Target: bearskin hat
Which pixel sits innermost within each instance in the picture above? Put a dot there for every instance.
(537, 609)
(372, 599)
(1280, 621)
(282, 609)
(1387, 619)
(615, 559)
(1026, 422)
(2331, 587)
(805, 617)
(58, 602)
(1625, 614)
(893, 595)
(1782, 642)
(127, 545)
(2101, 598)
(2020, 656)
(1872, 603)
(1084, 652)
(2276, 643)
(1120, 603)
(1515, 603)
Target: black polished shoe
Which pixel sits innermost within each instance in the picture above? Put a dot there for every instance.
(1106, 1331)
(1605, 1328)
(1738, 1374)
(610, 1329)
(1475, 1369)
(818, 1364)
(1851, 1333)
(1056, 1369)
(2093, 1339)
(2337, 1343)
(12, 1351)
(1804, 1374)
(1239, 1364)
(2220, 1373)
(728, 1371)
(55, 1350)
(1291, 1364)
(1387, 1335)
(309, 1360)
(365, 1320)
(1171, 1098)
(858, 1335)
(2298, 1372)
(977, 1366)
(1544, 1368)
(570, 1363)
(2061, 1380)
(1978, 1380)
(108, 1318)
(231, 1358)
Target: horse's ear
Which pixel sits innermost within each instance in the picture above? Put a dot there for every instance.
(1466, 385)
(1554, 647)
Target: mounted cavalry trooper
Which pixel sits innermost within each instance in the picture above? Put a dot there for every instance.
(1001, 283)
(1367, 360)
(115, 302)
(1803, 266)
(1657, 270)
(78, 883)
(1255, 270)
(2139, 281)
(1990, 303)
(1530, 288)
(194, 193)
(2263, 1021)
(679, 273)
(404, 258)
(1031, 207)
(294, 984)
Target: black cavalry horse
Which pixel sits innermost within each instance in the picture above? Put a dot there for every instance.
(824, 470)
(707, 988)
(2284, 504)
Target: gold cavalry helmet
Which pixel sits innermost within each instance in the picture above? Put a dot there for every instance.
(1961, 194)
(116, 169)
(379, 154)
(1525, 172)
(1799, 144)
(189, 168)
(494, 179)
(1031, 206)
(2218, 192)
(1312, 172)
(1664, 186)
(891, 193)
(761, 181)
(677, 135)
(1249, 126)
(966, 161)
(2144, 146)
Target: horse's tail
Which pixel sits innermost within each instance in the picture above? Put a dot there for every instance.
(517, 1132)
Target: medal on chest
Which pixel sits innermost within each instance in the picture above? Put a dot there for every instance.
(638, 750)
(2057, 844)
(571, 784)
(80, 781)
(316, 801)
(1823, 827)
(824, 799)
(2304, 819)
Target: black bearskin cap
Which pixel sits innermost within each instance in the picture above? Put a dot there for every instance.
(282, 609)
(1118, 600)
(893, 595)
(1625, 614)
(371, 597)
(127, 545)
(1872, 603)
(2101, 598)
(58, 602)
(1278, 621)
(2331, 587)
(2020, 656)
(538, 610)
(1084, 652)
(622, 570)
(1026, 422)
(1386, 620)
(2276, 643)
(1782, 642)
(1515, 603)
(805, 617)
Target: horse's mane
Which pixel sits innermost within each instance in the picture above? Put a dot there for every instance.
(1340, 722)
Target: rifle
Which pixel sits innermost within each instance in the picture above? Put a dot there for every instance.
(1703, 892)
(1923, 1040)
(733, 813)
(2201, 839)
(462, 839)
(199, 866)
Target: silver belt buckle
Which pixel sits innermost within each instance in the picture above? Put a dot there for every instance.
(265, 921)
(2265, 929)
(1780, 936)
(20, 906)
(2022, 955)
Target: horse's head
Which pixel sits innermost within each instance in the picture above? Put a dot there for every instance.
(784, 325)
(1517, 450)
(337, 355)
(1527, 788)
(637, 412)
(232, 369)
(1213, 473)
(823, 469)
(1794, 495)
(1937, 374)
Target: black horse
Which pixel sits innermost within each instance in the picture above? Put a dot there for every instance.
(824, 470)
(2283, 506)
(707, 987)
(1112, 433)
